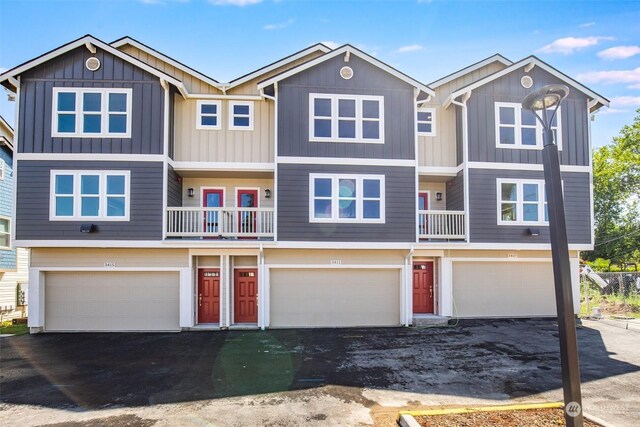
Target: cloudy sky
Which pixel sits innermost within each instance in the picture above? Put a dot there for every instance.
(596, 42)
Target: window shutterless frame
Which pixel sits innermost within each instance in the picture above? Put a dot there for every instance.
(205, 114)
(241, 116)
(518, 127)
(3, 170)
(102, 195)
(423, 122)
(520, 202)
(5, 232)
(360, 118)
(78, 112)
(335, 198)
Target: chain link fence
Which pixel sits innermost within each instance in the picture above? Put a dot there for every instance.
(610, 295)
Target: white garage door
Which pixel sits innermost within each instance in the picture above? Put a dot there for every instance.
(111, 301)
(334, 298)
(509, 289)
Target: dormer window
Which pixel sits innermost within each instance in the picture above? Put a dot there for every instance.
(346, 118)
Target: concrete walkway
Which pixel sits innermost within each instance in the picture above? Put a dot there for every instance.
(335, 377)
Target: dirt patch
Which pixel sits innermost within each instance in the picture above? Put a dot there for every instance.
(529, 417)
(120, 421)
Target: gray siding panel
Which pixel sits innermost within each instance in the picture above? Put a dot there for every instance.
(32, 210)
(293, 111)
(293, 206)
(484, 211)
(68, 70)
(174, 188)
(455, 193)
(481, 115)
(459, 136)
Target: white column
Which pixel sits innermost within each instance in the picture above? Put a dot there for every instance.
(261, 292)
(35, 298)
(446, 287)
(267, 292)
(187, 302)
(575, 283)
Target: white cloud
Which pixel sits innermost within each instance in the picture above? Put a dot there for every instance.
(162, 2)
(587, 25)
(619, 52)
(612, 111)
(625, 101)
(280, 25)
(234, 2)
(331, 45)
(568, 45)
(409, 48)
(629, 77)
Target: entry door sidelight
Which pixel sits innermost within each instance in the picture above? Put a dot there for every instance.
(423, 288)
(247, 219)
(212, 198)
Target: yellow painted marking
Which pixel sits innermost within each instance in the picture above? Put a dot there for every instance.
(516, 407)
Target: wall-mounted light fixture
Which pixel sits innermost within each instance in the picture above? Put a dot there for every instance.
(87, 228)
(267, 193)
(533, 231)
(438, 195)
(190, 191)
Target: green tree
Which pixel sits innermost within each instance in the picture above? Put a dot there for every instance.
(616, 186)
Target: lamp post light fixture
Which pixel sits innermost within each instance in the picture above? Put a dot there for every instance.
(544, 103)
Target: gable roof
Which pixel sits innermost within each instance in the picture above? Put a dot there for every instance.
(318, 47)
(347, 48)
(86, 40)
(177, 64)
(3, 139)
(471, 68)
(598, 100)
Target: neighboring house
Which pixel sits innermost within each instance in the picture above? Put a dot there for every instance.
(14, 263)
(326, 189)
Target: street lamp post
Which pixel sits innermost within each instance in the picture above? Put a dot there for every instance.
(544, 104)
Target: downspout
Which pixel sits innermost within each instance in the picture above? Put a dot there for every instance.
(16, 150)
(465, 161)
(262, 306)
(165, 163)
(407, 279)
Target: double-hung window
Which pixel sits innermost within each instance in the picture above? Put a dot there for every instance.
(522, 202)
(99, 195)
(346, 198)
(241, 115)
(346, 118)
(426, 121)
(519, 128)
(91, 113)
(208, 115)
(5, 232)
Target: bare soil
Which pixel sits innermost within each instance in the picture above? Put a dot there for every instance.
(524, 418)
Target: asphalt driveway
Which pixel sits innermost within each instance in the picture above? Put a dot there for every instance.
(295, 377)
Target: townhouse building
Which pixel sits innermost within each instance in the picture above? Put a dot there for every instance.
(326, 189)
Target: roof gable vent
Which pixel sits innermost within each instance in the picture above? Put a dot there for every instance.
(92, 63)
(346, 73)
(526, 82)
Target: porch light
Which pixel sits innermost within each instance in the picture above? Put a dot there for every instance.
(546, 100)
(87, 228)
(267, 193)
(533, 231)
(438, 195)
(190, 191)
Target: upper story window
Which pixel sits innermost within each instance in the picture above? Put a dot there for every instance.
(522, 202)
(426, 121)
(346, 198)
(79, 195)
(91, 113)
(5, 232)
(208, 115)
(241, 115)
(519, 128)
(346, 118)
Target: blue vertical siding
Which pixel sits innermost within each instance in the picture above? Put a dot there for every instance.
(7, 257)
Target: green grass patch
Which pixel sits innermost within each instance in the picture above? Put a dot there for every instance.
(8, 328)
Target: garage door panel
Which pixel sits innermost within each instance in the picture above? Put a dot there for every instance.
(334, 298)
(111, 301)
(508, 289)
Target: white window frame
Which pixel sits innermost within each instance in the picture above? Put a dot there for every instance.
(104, 112)
(3, 169)
(518, 128)
(519, 202)
(359, 199)
(102, 194)
(432, 122)
(7, 233)
(232, 115)
(200, 115)
(335, 98)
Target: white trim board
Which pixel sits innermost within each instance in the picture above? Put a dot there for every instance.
(91, 157)
(344, 161)
(471, 68)
(333, 266)
(439, 170)
(222, 166)
(347, 50)
(525, 167)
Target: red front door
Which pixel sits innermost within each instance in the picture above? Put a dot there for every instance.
(212, 198)
(209, 295)
(423, 288)
(247, 219)
(245, 295)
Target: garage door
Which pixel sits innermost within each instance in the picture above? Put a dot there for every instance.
(334, 298)
(111, 301)
(510, 289)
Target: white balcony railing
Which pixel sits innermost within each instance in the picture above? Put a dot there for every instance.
(441, 225)
(220, 222)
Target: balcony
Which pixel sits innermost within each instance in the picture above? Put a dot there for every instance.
(445, 225)
(221, 223)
